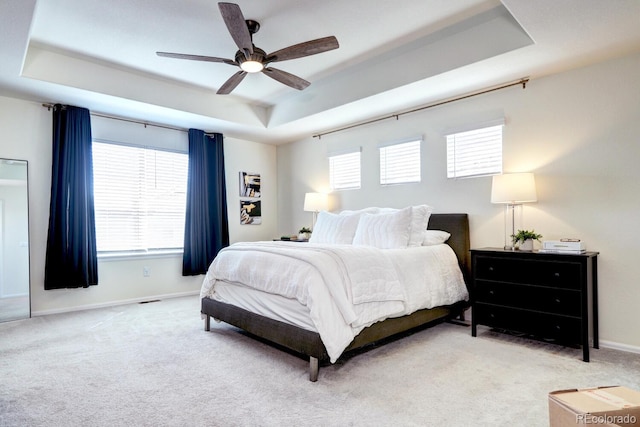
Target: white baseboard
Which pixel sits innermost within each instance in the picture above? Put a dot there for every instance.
(618, 346)
(113, 303)
(3, 296)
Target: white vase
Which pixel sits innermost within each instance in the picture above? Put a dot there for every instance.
(527, 245)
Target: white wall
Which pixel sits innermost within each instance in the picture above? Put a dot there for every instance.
(244, 156)
(26, 134)
(577, 131)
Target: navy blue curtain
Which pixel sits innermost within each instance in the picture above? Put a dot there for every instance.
(71, 258)
(206, 228)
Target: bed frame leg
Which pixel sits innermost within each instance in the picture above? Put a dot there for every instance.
(207, 323)
(313, 369)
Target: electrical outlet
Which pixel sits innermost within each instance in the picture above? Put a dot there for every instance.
(146, 271)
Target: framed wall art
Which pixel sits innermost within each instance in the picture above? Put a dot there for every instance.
(250, 212)
(249, 184)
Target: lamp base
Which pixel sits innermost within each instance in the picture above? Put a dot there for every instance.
(512, 221)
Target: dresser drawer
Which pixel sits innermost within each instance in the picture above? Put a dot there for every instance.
(535, 272)
(546, 326)
(549, 300)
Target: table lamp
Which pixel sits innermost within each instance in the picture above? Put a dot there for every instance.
(512, 190)
(315, 202)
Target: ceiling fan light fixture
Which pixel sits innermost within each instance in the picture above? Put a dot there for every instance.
(251, 66)
(251, 62)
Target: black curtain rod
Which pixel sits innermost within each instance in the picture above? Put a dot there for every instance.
(122, 119)
(396, 116)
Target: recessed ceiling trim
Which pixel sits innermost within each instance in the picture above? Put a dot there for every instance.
(481, 37)
(82, 73)
(396, 116)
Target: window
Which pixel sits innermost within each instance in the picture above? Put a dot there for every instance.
(475, 152)
(400, 163)
(140, 198)
(344, 171)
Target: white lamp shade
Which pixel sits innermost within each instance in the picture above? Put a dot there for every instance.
(315, 202)
(513, 188)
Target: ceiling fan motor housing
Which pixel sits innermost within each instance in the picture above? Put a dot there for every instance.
(258, 56)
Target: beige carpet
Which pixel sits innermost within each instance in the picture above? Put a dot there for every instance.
(153, 365)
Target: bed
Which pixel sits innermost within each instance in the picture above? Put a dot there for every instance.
(229, 295)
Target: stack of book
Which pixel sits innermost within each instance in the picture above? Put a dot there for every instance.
(563, 246)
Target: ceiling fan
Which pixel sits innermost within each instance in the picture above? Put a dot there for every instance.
(252, 59)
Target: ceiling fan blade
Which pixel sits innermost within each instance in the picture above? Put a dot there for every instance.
(231, 84)
(196, 57)
(237, 26)
(300, 50)
(286, 78)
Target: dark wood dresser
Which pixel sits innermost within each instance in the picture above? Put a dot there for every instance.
(553, 297)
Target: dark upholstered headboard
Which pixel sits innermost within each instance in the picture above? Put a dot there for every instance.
(458, 226)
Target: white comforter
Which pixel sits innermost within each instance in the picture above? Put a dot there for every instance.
(345, 287)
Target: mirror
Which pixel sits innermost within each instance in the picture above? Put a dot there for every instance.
(14, 241)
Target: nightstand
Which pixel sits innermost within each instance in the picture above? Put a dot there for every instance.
(549, 296)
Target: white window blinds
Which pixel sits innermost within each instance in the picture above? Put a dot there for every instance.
(344, 171)
(140, 198)
(400, 163)
(475, 152)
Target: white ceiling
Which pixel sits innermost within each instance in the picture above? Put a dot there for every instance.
(394, 55)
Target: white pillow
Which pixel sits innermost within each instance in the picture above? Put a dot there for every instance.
(435, 237)
(419, 220)
(334, 229)
(371, 210)
(420, 215)
(384, 230)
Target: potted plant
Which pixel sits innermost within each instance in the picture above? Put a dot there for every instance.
(304, 233)
(525, 238)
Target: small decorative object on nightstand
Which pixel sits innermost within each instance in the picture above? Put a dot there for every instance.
(551, 296)
(304, 233)
(291, 239)
(524, 239)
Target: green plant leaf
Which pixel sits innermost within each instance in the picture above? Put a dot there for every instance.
(523, 235)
